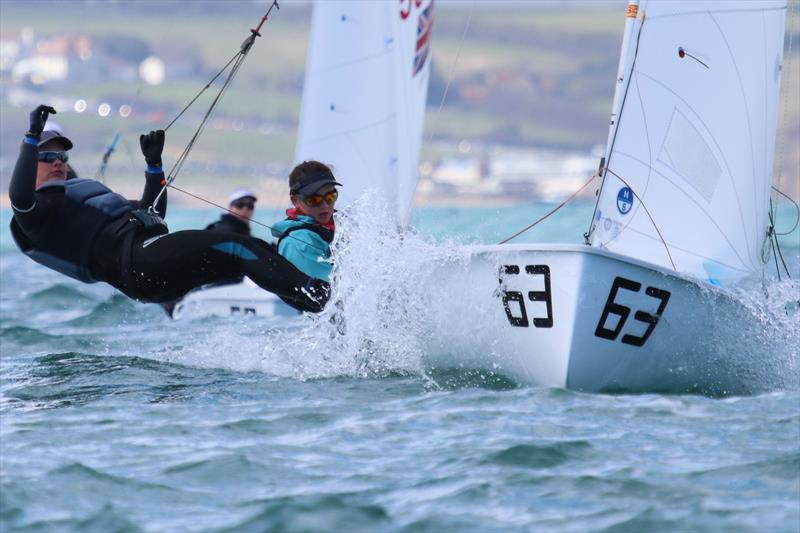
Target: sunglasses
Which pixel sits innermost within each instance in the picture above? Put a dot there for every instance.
(49, 157)
(315, 200)
(244, 205)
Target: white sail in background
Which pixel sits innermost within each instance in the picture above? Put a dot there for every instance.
(364, 95)
(689, 164)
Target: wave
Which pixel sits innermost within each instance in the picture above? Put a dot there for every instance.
(60, 294)
(540, 455)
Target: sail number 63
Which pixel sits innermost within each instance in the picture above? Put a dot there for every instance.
(622, 312)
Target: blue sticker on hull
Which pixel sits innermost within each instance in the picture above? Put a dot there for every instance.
(624, 200)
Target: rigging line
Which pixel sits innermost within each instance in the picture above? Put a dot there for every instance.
(192, 101)
(562, 204)
(588, 234)
(780, 253)
(243, 49)
(453, 66)
(796, 212)
(209, 202)
(240, 56)
(776, 245)
(185, 154)
(100, 175)
(775, 255)
(655, 226)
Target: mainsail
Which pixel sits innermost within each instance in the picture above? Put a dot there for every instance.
(689, 161)
(364, 95)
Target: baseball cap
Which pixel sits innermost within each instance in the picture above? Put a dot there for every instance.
(312, 179)
(238, 194)
(52, 135)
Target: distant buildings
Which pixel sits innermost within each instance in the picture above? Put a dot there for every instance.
(29, 61)
(517, 173)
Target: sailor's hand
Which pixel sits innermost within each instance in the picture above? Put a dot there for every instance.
(152, 145)
(38, 120)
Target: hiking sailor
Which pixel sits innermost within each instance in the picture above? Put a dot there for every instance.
(81, 228)
(304, 237)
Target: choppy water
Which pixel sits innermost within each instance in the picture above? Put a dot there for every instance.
(113, 418)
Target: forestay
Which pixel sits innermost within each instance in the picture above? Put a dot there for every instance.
(689, 163)
(364, 95)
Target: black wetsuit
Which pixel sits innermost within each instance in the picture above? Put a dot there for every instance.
(232, 223)
(88, 239)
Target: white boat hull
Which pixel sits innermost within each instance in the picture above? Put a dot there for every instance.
(234, 299)
(586, 319)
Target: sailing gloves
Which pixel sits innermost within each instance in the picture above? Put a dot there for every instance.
(38, 119)
(152, 145)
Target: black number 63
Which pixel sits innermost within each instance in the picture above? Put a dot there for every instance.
(622, 312)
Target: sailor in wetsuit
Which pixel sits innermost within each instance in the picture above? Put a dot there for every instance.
(81, 228)
(241, 206)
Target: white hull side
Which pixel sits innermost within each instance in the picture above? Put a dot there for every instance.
(691, 348)
(235, 299)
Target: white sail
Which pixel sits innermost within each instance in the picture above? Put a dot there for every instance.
(364, 95)
(689, 163)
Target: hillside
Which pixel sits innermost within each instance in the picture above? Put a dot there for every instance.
(523, 74)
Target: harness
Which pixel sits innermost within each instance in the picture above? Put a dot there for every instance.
(325, 233)
(89, 215)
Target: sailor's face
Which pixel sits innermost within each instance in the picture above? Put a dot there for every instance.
(51, 171)
(321, 213)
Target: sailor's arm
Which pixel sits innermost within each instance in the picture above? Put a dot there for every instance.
(154, 180)
(152, 145)
(23, 180)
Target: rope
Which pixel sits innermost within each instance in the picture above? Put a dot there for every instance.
(209, 202)
(453, 67)
(237, 61)
(655, 226)
(776, 245)
(100, 175)
(796, 207)
(562, 204)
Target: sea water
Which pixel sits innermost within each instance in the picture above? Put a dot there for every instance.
(114, 418)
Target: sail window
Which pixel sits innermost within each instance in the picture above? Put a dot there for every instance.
(687, 153)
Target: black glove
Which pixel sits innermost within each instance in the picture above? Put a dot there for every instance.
(38, 119)
(152, 145)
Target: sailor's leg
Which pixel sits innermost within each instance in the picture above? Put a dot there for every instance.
(167, 267)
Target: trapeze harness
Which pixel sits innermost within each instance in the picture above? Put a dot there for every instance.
(73, 229)
(325, 233)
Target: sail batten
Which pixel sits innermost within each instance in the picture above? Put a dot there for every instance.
(695, 139)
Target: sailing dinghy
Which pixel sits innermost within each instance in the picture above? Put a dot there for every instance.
(681, 218)
(362, 113)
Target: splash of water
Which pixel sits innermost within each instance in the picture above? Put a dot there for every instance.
(376, 323)
(387, 317)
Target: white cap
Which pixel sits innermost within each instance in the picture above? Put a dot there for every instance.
(238, 194)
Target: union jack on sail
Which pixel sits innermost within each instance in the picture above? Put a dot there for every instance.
(424, 24)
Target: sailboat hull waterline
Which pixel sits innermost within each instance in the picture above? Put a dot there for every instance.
(590, 320)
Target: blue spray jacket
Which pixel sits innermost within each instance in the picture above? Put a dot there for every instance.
(300, 241)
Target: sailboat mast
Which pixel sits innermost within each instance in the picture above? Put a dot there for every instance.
(623, 75)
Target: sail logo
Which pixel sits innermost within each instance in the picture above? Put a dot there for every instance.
(625, 200)
(424, 24)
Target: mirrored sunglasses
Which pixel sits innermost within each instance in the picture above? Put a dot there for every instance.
(239, 204)
(49, 157)
(315, 200)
